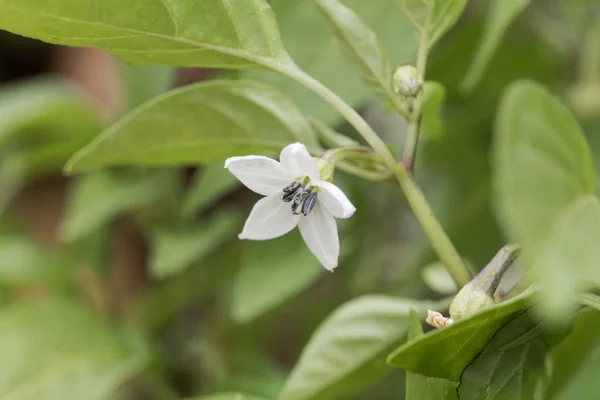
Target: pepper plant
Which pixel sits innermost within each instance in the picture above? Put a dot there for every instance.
(460, 267)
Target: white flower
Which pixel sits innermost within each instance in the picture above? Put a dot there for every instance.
(295, 196)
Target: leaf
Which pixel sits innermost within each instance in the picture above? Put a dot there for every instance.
(57, 350)
(307, 39)
(330, 137)
(211, 183)
(362, 47)
(99, 197)
(445, 352)
(568, 263)
(22, 260)
(572, 352)
(176, 249)
(432, 18)
(145, 83)
(199, 124)
(584, 384)
(347, 352)
(270, 273)
(512, 365)
(419, 387)
(437, 277)
(500, 15)
(204, 33)
(542, 163)
(434, 95)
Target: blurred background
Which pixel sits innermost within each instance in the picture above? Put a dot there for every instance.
(131, 283)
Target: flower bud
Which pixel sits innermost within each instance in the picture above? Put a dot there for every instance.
(407, 81)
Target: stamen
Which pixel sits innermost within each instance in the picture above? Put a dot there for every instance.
(290, 190)
(309, 203)
(299, 198)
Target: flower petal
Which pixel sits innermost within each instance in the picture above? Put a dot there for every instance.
(334, 200)
(260, 174)
(296, 159)
(270, 218)
(319, 231)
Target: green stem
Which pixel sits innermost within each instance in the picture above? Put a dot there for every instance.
(414, 121)
(434, 231)
(590, 300)
(343, 108)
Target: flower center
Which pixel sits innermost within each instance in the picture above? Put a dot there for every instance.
(302, 196)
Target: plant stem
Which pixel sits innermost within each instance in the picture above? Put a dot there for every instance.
(590, 300)
(414, 121)
(437, 237)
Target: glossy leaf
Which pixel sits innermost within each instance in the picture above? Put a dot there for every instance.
(175, 250)
(568, 262)
(572, 352)
(419, 387)
(512, 365)
(432, 18)
(431, 123)
(347, 352)
(210, 183)
(99, 197)
(445, 352)
(57, 350)
(270, 273)
(308, 39)
(199, 124)
(362, 47)
(207, 33)
(542, 163)
(500, 15)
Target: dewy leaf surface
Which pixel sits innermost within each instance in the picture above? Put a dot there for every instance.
(347, 352)
(445, 352)
(207, 33)
(198, 124)
(58, 350)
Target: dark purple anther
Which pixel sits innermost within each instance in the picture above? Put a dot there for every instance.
(309, 203)
(290, 191)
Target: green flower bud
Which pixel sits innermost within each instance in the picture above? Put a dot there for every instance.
(407, 81)
(479, 293)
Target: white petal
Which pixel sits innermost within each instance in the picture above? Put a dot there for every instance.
(334, 200)
(270, 218)
(260, 174)
(296, 159)
(319, 231)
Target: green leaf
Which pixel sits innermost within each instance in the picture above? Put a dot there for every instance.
(419, 387)
(432, 18)
(99, 197)
(542, 163)
(22, 260)
(500, 15)
(199, 124)
(347, 352)
(145, 83)
(329, 137)
(585, 383)
(57, 350)
(270, 273)
(572, 352)
(362, 47)
(176, 249)
(512, 365)
(568, 261)
(445, 352)
(199, 33)
(306, 37)
(433, 98)
(210, 183)
(437, 277)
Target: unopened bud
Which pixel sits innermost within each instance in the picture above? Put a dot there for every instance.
(407, 81)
